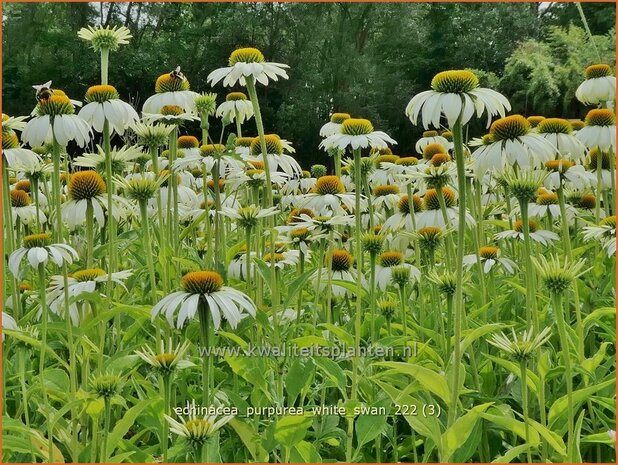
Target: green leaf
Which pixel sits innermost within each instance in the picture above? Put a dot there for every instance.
(512, 425)
(341, 333)
(305, 452)
(513, 453)
(264, 270)
(249, 439)
(291, 429)
(296, 286)
(458, 433)
(553, 439)
(430, 380)
(127, 420)
(558, 411)
(333, 371)
(298, 377)
(532, 380)
(368, 427)
(473, 335)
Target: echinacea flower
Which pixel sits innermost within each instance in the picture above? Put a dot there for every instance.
(456, 95)
(605, 233)
(247, 217)
(557, 274)
(276, 156)
(328, 195)
(559, 132)
(357, 133)
(402, 219)
(599, 86)
(152, 135)
(38, 248)
(120, 157)
(107, 37)
(387, 262)
(245, 62)
(566, 171)
(520, 347)
(104, 104)
(432, 214)
(196, 430)
(489, 257)
(334, 125)
(55, 117)
(538, 235)
(431, 137)
(169, 115)
(512, 143)
(340, 268)
(171, 89)
(87, 189)
(236, 105)
(166, 359)
(205, 288)
(600, 130)
(80, 282)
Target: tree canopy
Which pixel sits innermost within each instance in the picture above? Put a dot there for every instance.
(366, 59)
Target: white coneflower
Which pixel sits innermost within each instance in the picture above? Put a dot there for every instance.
(599, 86)
(276, 156)
(209, 155)
(357, 133)
(512, 143)
(152, 135)
(559, 132)
(538, 235)
(120, 157)
(432, 214)
(568, 172)
(489, 257)
(223, 302)
(55, 115)
(547, 204)
(385, 196)
(172, 89)
(455, 94)
(236, 105)
(245, 62)
(387, 262)
(80, 282)
(283, 258)
(402, 219)
(22, 208)
(169, 115)
(11, 149)
(196, 430)
(166, 359)
(334, 125)
(341, 264)
(87, 188)
(104, 104)
(247, 217)
(600, 130)
(38, 248)
(520, 347)
(431, 137)
(328, 195)
(605, 233)
(105, 37)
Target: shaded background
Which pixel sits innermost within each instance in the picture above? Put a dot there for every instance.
(366, 59)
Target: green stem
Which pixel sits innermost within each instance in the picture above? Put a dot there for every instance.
(104, 65)
(532, 316)
(566, 359)
(107, 419)
(89, 234)
(459, 300)
(524, 401)
(206, 356)
(143, 208)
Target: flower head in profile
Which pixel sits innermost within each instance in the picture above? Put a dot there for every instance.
(334, 125)
(490, 256)
(38, 248)
(206, 103)
(357, 133)
(538, 235)
(522, 347)
(599, 86)
(152, 135)
(109, 38)
(605, 233)
(557, 274)
(197, 430)
(104, 104)
(205, 288)
(80, 282)
(121, 157)
(388, 263)
(512, 142)
(456, 95)
(165, 359)
(600, 130)
(559, 132)
(54, 116)
(236, 105)
(248, 217)
(171, 89)
(246, 62)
